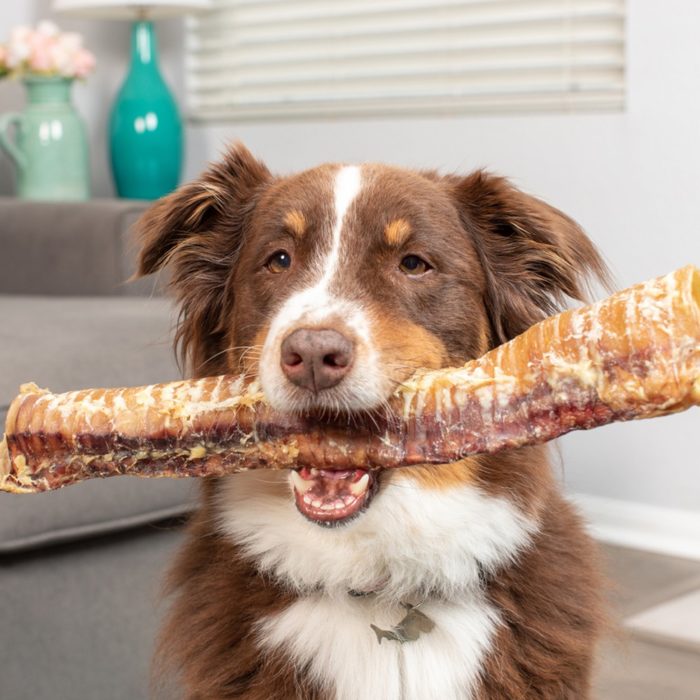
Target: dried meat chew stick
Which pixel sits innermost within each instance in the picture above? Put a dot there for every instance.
(633, 355)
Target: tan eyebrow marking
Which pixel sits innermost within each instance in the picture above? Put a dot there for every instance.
(296, 222)
(397, 231)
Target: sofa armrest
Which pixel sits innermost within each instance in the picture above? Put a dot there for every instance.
(70, 248)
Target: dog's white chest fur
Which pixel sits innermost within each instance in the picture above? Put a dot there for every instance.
(413, 545)
(333, 639)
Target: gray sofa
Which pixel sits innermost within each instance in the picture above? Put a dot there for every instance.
(81, 568)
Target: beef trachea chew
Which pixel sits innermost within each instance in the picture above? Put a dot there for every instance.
(633, 355)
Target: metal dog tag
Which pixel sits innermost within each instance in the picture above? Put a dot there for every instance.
(409, 629)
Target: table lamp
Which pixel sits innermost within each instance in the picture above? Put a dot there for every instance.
(145, 128)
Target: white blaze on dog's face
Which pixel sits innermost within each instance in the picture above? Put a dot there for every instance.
(320, 313)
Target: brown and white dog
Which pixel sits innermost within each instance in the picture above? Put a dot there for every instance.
(332, 286)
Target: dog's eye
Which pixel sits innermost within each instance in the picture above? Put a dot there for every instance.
(279, 261)
(413, 265)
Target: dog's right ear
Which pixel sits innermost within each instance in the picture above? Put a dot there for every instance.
(218, 200)
(197, 231)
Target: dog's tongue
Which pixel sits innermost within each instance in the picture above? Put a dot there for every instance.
(327, 495)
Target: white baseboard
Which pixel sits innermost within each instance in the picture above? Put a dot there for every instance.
(641, 526)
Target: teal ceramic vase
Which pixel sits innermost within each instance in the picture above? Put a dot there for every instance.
(49, 147)
(145, 128)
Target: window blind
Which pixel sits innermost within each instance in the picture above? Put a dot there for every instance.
(255, 59)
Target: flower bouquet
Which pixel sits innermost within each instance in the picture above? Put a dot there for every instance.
(45, 52)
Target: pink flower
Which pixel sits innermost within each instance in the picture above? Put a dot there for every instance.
(84, 63)
(19, 47)
(70, 41)
(41, 58)
(47, 29)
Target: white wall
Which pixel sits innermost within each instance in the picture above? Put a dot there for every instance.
(632, 180)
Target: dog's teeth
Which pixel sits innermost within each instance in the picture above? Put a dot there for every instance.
(307, 498)
(359, 487)
(314, 472)
(301, 485)
(327, 506)
(317, 503)
(340, 505)
(347, 500)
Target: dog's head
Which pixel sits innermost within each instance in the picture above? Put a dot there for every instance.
(335, 284)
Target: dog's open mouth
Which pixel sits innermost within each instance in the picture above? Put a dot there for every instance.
(331, 497)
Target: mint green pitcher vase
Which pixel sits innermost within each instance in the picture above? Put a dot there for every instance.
(49, 148)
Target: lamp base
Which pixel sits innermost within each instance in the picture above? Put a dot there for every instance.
(145, 128)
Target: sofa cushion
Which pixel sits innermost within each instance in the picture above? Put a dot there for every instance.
(65, 343)
(70, 248)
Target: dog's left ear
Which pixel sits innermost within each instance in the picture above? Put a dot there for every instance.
(534, 256)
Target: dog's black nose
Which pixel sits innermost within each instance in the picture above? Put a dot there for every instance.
(316, 359)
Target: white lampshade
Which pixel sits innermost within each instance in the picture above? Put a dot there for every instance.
(129, 9)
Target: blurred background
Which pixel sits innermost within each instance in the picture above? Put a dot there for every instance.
(592, 105)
